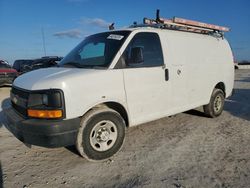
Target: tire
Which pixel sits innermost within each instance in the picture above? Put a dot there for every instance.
(101, 134)
(216, 104)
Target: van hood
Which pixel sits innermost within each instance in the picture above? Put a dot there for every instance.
(51, 78)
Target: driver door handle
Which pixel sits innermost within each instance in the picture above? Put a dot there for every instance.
(166, 75)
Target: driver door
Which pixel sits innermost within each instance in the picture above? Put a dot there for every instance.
(145, 78)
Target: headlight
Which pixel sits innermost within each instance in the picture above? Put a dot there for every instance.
(46, 104)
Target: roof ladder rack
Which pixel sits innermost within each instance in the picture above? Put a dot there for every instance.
(185, 25)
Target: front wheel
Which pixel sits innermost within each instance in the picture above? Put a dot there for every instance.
(216, 104)
(101, 134)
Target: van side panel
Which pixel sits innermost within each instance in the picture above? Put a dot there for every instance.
(204, 60)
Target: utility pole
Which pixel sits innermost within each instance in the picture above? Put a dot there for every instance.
(43, 37)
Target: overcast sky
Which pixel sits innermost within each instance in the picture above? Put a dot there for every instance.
(66, 22)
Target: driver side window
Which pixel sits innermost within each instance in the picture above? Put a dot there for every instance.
(144, 50)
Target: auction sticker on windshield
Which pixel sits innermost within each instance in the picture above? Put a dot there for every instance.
(115, 37)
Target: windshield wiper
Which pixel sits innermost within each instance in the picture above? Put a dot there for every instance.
(72, 63)
(78, 65)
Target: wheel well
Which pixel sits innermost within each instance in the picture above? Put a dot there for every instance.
(118, 108)
(221, 86)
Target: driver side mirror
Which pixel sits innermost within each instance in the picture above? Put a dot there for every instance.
(136, 55)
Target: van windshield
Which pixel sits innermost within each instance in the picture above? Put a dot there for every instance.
(96, 50)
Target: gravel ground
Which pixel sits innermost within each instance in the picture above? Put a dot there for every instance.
(186, 150)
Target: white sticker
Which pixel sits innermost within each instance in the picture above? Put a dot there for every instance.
(115, 37)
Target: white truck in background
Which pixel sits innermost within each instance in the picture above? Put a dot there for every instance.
(118, 79)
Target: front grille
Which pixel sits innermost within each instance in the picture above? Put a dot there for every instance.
(19, 100)
(21, 93)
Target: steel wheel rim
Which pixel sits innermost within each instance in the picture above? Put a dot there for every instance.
(217, 103)
(103, 135)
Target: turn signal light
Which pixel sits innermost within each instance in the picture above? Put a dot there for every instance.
(45, 113)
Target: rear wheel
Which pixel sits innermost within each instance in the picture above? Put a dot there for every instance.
(216, 104)
(101, 134)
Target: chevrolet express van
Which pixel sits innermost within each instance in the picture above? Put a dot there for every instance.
(119, 79)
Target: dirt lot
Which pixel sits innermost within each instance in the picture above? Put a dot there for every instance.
(187, 150)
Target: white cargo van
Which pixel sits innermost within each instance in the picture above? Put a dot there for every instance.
(118, 79)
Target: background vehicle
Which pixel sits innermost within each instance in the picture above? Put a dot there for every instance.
(7, 74)
(23, 66)
(20, 64)
(3, 61)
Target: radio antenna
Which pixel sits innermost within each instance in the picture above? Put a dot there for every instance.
(43, 38)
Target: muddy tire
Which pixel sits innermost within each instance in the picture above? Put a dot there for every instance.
(216, 104)
(101, 134)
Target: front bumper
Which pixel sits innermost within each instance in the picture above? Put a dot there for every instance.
(42, 132)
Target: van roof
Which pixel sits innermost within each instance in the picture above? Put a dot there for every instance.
(179, 24)
(148, 28)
